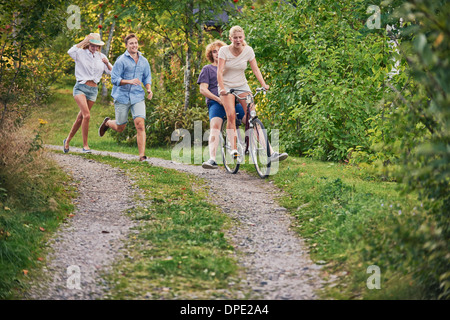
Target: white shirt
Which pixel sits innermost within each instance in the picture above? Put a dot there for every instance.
(234, 69)
(88, 66)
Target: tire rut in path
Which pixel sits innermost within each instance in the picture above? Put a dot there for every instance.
(276, 261)
(91, 240)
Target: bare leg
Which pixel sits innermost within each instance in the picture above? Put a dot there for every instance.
(141, 136)
(113, 125)
(82, 120)
(229, 105)
(244, 105)
(213, 143)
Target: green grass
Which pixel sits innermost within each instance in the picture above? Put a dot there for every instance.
(180, 250)
(61, 113)
(27, 218)
(351, 221)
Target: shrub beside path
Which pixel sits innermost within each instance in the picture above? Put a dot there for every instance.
(275, 260)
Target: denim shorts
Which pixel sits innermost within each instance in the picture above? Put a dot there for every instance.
(88, 91)
(217, 110)
(137, 111)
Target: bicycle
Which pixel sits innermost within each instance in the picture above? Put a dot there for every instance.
(255, 141)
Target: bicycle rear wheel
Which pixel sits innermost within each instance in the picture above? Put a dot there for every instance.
(259, 148)
(230, 163)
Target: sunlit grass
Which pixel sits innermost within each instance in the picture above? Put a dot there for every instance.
(61, 113)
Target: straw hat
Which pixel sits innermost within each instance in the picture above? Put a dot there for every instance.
(96, 40)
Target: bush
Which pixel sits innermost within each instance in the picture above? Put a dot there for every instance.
(424, 106)
(326, 70)
(165, 113)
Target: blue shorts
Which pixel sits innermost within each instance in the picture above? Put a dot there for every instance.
(215, 109)
(88, 91)
(137, 111)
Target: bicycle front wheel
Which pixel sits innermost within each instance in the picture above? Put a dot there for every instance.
(230, 163)
(259, 148)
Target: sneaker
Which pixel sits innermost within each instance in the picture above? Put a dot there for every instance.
(210, 164)
(103, 127)
(87, 150)
(278, 156)
(64, 146)
(143, 158)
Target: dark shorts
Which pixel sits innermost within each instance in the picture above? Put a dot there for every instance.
(217, 110)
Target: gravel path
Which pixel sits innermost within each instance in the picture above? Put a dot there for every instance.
(275, 259)
(91, 241)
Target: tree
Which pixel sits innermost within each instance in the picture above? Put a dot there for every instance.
(26, 26)
(180, 23)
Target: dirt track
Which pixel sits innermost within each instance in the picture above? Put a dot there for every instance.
(275, 261)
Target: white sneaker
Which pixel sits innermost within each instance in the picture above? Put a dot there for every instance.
(210, 164)
(278, 156)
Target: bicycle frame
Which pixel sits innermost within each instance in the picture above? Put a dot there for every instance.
(250, 114)
(256, 142)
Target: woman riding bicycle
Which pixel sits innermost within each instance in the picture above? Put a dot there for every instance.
(208, 87)
(232, 63)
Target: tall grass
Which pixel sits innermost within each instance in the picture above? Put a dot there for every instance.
(34, 199)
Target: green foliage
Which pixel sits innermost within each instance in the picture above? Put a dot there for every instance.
(333, 98)
(326, 70)
(422, 125)
(27, 61)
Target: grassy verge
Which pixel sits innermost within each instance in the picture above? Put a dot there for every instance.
(352, 221)
(29, 214)
(180, 251)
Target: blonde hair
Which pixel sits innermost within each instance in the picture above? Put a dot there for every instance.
(236, 29)
(210, 47)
